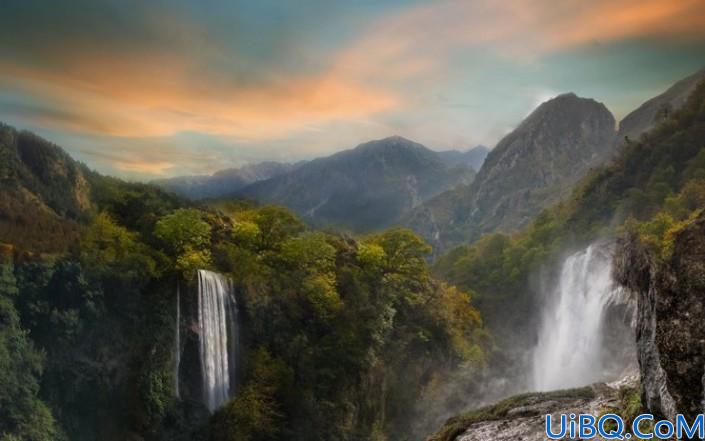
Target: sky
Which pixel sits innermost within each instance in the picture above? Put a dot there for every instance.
(146, 90)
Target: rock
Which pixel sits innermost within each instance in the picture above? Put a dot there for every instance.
(523, 417)
(670, 320)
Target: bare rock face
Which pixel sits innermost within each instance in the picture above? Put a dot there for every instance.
(670, 320)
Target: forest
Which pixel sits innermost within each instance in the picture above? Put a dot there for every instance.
(348, 335)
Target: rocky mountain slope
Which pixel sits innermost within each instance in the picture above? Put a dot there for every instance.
(529, 169)
(369, 187)
(223, 182)
(43, 192)
(658, 108)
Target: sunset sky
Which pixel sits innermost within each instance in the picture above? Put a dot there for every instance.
(161, 88)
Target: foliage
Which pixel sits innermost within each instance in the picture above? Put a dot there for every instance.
(23, 416)
(359, 325)
(187, 237)
(254, 413)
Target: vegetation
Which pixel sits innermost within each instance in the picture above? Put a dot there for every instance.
(343, 335)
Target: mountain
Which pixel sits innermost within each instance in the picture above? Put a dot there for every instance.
(529, 169)
(223, 182)
(472, 158)
(369, 187)
(658, 108)
(43, 192)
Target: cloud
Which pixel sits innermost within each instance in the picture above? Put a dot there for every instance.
(445, 72)
(423, 39)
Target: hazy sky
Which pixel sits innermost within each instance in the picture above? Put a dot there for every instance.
(153, 89)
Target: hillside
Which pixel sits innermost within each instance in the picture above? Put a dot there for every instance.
(43, 192)
(369, 187)
(223, 182)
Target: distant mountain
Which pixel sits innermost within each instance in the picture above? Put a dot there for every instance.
(472, 158)
(223, 182)
(43, 192)
(369, 187)
(528, 170)
(658, 108)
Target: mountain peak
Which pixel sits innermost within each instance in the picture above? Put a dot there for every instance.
(390, 141)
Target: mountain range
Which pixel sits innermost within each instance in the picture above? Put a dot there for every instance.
(375, 185)
(223, 182)
(473, 157)
(369, 187)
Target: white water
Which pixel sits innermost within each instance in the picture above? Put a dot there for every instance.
(569, 352)
(177, 345)
(215, 310)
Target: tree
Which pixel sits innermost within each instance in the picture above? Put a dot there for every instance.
(186, 237)
(22, 415)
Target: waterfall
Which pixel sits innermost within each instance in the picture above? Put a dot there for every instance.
(216, 314)
(177, 339)
(570, 348)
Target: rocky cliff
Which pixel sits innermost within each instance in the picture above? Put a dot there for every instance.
(670, 292)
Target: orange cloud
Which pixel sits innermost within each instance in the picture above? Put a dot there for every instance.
(156, 95)
(143, 167)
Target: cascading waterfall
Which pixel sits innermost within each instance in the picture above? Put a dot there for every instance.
(570, 347)
(216, 312)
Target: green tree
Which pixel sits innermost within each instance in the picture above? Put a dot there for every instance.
(186, 237)
(22, 415)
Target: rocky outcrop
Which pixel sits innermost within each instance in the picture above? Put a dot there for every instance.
(523, 417)
(670, 320)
